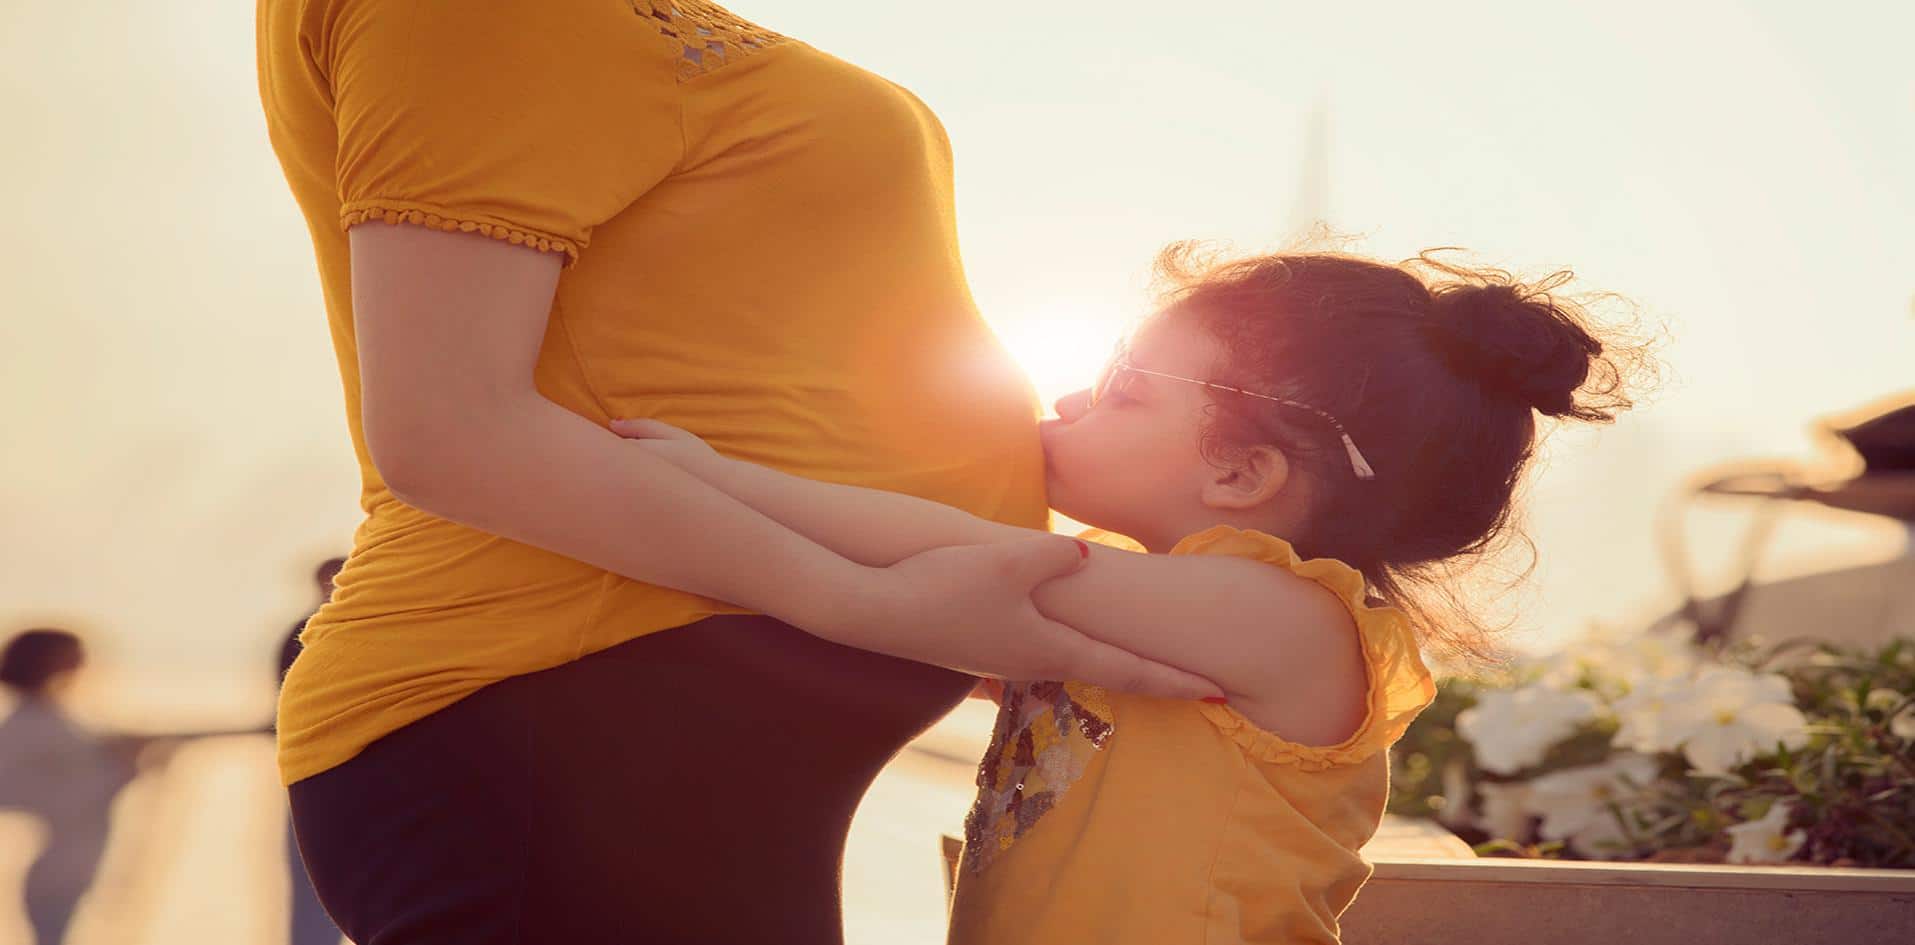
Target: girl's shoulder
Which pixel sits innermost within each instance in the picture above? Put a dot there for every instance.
(1383, 685)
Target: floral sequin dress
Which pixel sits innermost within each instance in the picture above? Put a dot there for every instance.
(1046, 733)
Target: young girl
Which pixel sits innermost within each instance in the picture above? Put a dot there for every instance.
(1378, 417)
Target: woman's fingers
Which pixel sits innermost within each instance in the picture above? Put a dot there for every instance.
(642, 429)
(1039, 558)
(662, 439)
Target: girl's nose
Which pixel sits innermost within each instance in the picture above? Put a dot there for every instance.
(1071, 406)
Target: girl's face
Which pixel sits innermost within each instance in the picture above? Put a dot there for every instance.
(1131, 463)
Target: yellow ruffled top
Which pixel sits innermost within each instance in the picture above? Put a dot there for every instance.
(1109, 818)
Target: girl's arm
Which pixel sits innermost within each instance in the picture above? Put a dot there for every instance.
(1249, 627)
(448, 328)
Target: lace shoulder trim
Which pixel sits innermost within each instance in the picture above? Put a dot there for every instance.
(709, 36)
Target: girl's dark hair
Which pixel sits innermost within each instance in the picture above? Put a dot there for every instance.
(1436, 371)
(34, 657)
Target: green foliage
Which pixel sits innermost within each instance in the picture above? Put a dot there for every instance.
(1851, 789)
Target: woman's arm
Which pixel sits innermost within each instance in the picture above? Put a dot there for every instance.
(1241, 623)
(449, 323)
(870, 526)
(448, 327)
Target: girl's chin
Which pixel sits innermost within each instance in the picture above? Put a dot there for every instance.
(1061, 505)
(1054, 491)
(1062, 498)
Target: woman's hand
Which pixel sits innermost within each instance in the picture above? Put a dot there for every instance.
(968, 608)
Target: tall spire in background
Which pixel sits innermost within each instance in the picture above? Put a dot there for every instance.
(1310, 208)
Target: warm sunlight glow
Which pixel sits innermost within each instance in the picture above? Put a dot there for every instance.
(1060, 346)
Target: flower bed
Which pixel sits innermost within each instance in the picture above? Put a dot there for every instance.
(1645, 748)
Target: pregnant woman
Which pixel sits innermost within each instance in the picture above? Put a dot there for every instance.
(525, 716)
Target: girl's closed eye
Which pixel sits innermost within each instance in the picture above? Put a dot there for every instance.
(1124, 388)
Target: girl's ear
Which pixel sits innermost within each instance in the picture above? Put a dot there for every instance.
(1259, 474)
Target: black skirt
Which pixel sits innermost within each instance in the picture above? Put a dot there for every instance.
(692, 785)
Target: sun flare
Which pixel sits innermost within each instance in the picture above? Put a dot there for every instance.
(1061, 347)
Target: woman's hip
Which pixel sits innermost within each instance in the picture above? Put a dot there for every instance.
(694, 781)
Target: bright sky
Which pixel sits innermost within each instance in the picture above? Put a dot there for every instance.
(175, 454)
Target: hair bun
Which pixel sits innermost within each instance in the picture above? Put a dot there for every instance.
(1517, 342)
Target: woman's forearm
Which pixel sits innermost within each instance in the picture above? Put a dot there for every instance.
(869, 526)
(537, 473)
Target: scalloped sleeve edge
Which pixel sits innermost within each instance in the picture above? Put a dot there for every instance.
(1399, 685)
(440, 218)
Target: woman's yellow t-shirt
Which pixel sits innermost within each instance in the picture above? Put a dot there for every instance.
(1116, 819)
(762, 251)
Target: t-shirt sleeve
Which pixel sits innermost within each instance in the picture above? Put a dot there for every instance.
(527, 120)
(1400, 685)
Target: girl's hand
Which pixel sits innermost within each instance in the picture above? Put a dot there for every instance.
(987, 688)
(681, 448)
(968, 608)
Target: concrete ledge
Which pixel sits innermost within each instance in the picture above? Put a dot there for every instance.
(1486, 901)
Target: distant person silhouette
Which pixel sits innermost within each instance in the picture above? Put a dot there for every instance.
(310, 923)
(56, 770)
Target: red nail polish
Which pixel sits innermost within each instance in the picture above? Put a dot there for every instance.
(1216, 700)
(1083, 548)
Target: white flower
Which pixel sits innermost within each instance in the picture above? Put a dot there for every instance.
(1616, 660)
(1733, 715)
(1568, 667)
(1646, 713)
(1762, 841)
(1512, 729)
(1505, 810)
(1602, 839)
(1664, 655)
(1903, 724)
(1576, 804)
